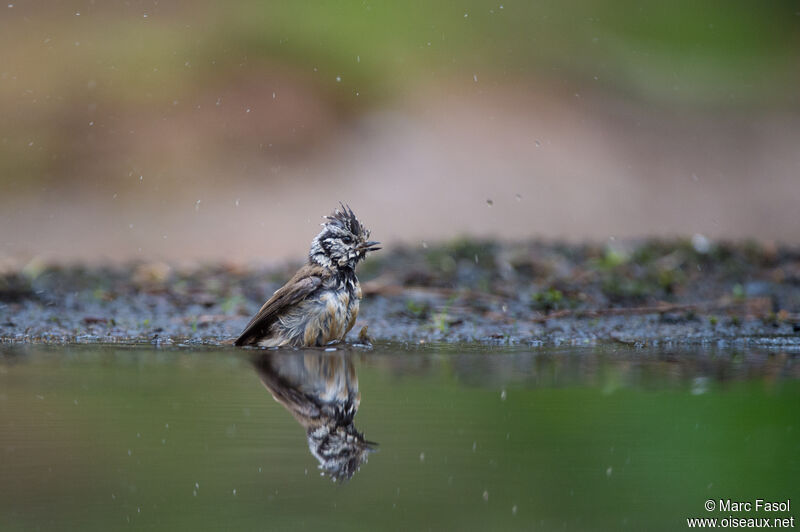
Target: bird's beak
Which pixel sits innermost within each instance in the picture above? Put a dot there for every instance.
(369, 246)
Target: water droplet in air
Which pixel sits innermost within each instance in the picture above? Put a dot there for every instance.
(518, 197)
(609, 471)
(486, 496)
(421, 457)
(489, 202)
(514, 510)
(538, 144)
(475, 78)
(503, 395)
(701, 243)
(338, 79)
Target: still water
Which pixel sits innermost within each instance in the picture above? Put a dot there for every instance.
(441, 438)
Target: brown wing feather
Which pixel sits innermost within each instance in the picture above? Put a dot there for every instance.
(306, 280)
(298, 403)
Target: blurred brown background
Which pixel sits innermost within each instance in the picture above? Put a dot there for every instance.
(179, 131)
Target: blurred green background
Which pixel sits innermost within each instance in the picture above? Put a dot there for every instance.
(138, 108)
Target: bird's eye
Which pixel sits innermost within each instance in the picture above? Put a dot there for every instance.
(347, 240)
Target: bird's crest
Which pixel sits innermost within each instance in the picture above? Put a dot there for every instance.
(345, 218)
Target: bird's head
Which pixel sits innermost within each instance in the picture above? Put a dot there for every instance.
(343, 241)
(340, 450)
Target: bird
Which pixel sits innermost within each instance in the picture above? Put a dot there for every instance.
(319, 305)
(321, 391)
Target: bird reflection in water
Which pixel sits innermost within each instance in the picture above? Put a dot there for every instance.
(321, 391)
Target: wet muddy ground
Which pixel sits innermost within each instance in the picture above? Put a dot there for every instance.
(645, 293)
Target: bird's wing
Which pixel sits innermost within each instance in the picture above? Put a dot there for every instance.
(301, 405)
(304, 282)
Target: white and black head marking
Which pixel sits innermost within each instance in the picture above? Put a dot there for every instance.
(339, 449)
(342, 242)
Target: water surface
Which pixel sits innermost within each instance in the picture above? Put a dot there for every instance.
(107, 438)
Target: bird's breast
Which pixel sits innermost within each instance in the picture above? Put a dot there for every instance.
(327, 316)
